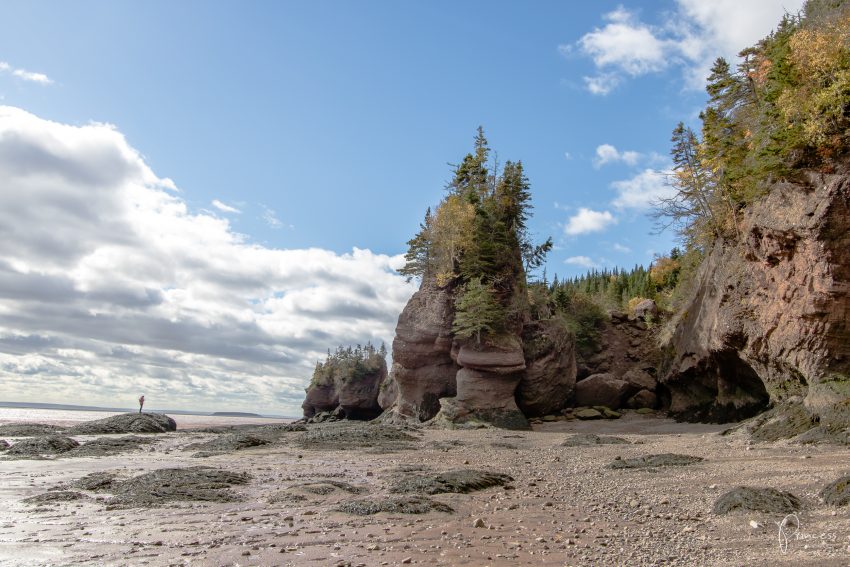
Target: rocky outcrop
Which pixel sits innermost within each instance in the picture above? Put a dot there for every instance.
(347, 386)
(126, 423)
(547, 385)
(486, 385)
(768, 317)
(423, 368)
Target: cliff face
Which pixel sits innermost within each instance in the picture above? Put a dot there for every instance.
(768, 318)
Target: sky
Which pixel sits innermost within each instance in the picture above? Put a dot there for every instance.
(199, 198)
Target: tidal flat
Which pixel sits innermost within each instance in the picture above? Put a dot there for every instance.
(358, 493)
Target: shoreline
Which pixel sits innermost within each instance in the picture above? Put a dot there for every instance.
(563, 505)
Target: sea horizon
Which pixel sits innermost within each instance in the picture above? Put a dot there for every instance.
(86, 408)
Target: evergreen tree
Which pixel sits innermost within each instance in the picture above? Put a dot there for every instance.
(477, 311)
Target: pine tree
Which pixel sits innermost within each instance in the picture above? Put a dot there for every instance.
(477, 311)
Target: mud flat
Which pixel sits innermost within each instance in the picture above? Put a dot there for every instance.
(425, 497)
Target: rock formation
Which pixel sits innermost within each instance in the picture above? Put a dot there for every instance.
(347, 385)
(486, 384)
(423, 368)
(547, 385)
(768, 317)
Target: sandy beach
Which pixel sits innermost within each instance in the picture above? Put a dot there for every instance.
(561, 505)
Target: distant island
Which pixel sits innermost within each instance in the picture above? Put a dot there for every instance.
(234, 414)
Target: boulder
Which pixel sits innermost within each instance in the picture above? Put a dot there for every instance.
(640, 379)
(643, 399)
(750, 499)
(837, 493)
(550, 375)
(767, 317)
(588, 413)
(126, 423)
(646, 309)
(601, 390)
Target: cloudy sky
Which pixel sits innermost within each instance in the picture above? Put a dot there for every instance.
(198, 199)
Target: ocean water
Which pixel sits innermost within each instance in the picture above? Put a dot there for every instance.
(71, 417)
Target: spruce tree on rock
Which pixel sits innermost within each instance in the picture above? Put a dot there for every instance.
(477, 311)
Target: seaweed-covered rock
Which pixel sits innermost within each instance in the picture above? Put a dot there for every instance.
(394, 505)
(96, 481)
(44, 445)
(356, 435)
(54, 497)
(105, 446)
(3, 444)
(155, 488)
(649, 461)
(29, 429)
(126, 423)
(227, 444)
(320, 488)
(752, 499)
(837, 493)
(590, 439)
(455, 481)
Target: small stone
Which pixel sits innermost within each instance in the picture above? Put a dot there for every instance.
(479, 523)
(407, 560)
(634, 504)
(755, 525)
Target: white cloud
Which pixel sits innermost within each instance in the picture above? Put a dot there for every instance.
(602, 84)
(224, 207)
(606, 153)
(588, 220)
(626, 44)
(580, 261)
(568, 155)
(620, 248)
(111, 287)
(270, 217)
(642, 190)
(691, 38)
(25, 75)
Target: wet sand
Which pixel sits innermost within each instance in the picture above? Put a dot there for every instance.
(564, 507)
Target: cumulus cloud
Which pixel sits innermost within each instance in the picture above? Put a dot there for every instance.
(223, 207)
(642, 190)
(25, 75)
(691, 38)
(588, 220)
(583, 261)
(111, 287)
(606, 153)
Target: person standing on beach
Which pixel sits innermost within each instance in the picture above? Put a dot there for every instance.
(141, 402)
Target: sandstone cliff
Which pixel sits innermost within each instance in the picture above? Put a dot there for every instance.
(768, 318)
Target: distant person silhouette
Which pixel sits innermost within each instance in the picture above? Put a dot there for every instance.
(141, 403)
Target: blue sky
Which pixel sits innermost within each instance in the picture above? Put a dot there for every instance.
(328, 126)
